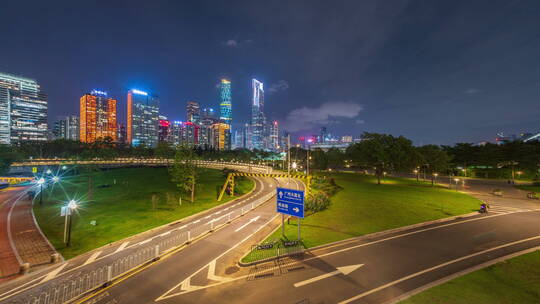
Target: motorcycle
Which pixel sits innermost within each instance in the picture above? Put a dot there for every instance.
(483, 208)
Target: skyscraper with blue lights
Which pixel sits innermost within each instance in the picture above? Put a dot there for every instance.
(225, 104)
(142, 118)
(258, 120)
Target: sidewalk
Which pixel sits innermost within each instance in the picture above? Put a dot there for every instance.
(21, 240)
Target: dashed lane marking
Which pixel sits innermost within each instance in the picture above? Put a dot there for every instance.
(121, 247)
(92, 258)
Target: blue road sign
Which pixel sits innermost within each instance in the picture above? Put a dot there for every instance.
(290, 202)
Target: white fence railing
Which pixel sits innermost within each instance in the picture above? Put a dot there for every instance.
(85, 281)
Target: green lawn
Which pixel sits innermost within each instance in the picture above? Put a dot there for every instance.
(514, 281)
(529, 188)
(363, 207)
(125, 208)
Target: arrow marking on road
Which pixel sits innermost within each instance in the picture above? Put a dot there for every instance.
(345, 270)
(53, 273)
(250, 221)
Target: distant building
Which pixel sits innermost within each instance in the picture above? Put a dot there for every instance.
(274, 136)
(323, 136)
(67, 128)
(221, 136)
(208, 113)
(142, 118)
(225, 101)
(164, 131)
(346, 139)
(97, 117)
(23, 110)
(193, 112)
(258, 120)
(121, 136)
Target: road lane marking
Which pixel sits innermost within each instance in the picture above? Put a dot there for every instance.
(435, 268)
(216, 213)
(53, 273)
(121, 247)
(165, 233)
(249, 222)
(206, 217)
(92, 258)
(196, 221)
(183, 227)
(145, 241)
(345, 270)
(212, 273)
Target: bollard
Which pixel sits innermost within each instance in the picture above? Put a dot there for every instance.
(156, 253)
(188, 237)
(23, 269)
(55, 258)
(109, 273)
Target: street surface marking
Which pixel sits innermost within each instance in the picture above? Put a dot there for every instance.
(165, 233)
(92, 258)
(53, 273)
(212, 273)
(121, 247)
(183, 227)
(145, 241)
(216, 213)
(436, 267)
(345, 270)
(196, 221)
(207, 216)
(250, 221)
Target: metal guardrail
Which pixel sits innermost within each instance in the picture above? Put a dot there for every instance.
(275, 249)
(83, 282)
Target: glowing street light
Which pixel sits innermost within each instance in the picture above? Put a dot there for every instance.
(48, 171)
(68, 211)
(56, 179)
(434, 178)
(64, 167)
(457, 181)
(416, 172)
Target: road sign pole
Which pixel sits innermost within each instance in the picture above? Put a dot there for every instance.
(298, 228)
(283, 224)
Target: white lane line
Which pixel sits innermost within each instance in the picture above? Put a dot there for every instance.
(249, 222)
(145, 241)
(53, 273)
(92, 258)
(435, 268)
(207, 217)
(226, 209)
(212, 273)
(165, 233)
(182, 227)
(196, 221)
(121, 247)
(216, 213)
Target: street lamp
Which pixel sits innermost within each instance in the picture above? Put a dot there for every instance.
(56, 179)
(64, 167)
(434, 178)
(68, 211)
(49, 171)
(416, 172)
(40, 182)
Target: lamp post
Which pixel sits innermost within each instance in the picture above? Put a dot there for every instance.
(416, 172)
(69, 209)
(457, 181)
(40, 183)
(434, 178)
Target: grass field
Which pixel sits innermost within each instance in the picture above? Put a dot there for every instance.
(363, 207)
(125, 208)
(514, 281)
(530, 188)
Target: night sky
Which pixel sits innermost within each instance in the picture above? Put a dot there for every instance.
(435, 71)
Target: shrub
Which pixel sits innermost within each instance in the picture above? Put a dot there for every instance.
(317, 202)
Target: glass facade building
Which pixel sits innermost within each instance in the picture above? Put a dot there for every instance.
(67, 128)
(98, 117)
(193, 111)
(225, 105)
(142, 118)
(258, 120)
(23, 110)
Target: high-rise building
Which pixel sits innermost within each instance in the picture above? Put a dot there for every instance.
(23, 110)
(142, 118)
(164, 131)
(258, 119)
(274, 137)
(121, 136)
(221, 136)
(193, 112)
(346, 139)
(208, 113)
(67, 128)
(97, 117)
(324, 135)
(225, 103)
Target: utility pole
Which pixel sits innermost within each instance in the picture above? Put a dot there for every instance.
(307, 162)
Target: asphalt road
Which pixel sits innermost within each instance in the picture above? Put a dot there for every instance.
(376, 269)
(22, 289)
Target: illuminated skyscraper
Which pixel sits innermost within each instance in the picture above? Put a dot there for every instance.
(193, 111)
(97, 117)
(225, 105)
(258, 119)
(142, 118)
(67, 128)
(23, 110)
(221, 136)
(274, 137)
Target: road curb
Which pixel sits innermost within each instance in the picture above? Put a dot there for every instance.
(357, 238)
(459, 274)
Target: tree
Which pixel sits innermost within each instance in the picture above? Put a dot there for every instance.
(7, 157)
(184, 171)
(433, 159)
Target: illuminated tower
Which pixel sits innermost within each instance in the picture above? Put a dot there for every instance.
(225, 105)
(97, 117)
(193, 111)
(258, 119)
(142, 118)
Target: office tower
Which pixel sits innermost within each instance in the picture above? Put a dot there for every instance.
(346, 139)
(121, 136)
(208, 113)
(164, 130)
(225, 104)
(176, 132)
(258, 119)
(193, 112)
(97, 117)
(142, 118)
(221, 136)
(67, 128)
(274, 136)
(189, 134)
(23, 110)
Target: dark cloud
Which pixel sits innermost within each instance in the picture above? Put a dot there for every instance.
(281, 85)
(328, 113)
